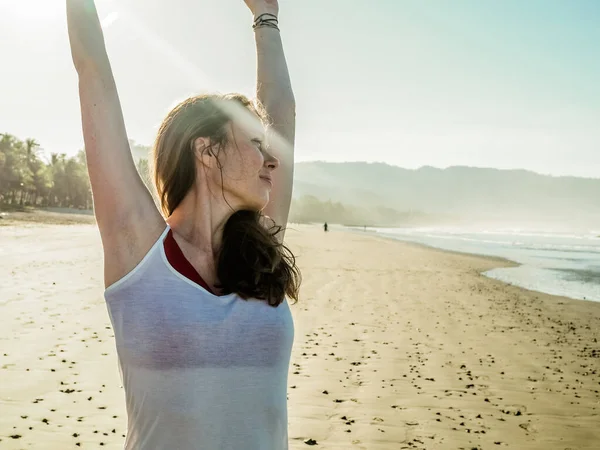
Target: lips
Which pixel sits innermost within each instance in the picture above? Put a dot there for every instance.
(268, 180)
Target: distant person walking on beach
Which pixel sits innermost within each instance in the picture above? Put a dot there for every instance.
(325, 227)
(197, 294)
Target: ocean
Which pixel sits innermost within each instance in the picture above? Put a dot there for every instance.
(559, 263)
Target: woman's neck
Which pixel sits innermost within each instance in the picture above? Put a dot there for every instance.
(199, 219)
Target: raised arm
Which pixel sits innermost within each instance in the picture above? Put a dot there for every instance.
(274, 91)
(122, 204)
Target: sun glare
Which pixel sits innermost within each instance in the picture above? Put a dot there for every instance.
(38, 10)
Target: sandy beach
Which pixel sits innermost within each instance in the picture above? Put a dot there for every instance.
(397, 346)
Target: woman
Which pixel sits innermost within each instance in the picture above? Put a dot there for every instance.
(197, 300)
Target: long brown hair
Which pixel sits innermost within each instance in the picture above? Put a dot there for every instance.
(251, 261)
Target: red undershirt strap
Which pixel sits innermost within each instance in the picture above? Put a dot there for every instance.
(180, 263)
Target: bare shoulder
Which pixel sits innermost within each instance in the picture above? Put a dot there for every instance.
(128, 241)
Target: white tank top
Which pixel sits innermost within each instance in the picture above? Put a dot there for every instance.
(200, 371)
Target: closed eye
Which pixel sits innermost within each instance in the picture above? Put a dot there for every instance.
(259, 143)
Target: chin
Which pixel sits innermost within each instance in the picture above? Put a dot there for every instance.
(258, 203)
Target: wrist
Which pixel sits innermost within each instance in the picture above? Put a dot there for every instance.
(273, 11)
(265, 20)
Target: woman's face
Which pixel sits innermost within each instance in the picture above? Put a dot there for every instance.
(246, 170)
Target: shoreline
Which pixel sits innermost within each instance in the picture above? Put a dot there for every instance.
(69, 216)
(505, 263)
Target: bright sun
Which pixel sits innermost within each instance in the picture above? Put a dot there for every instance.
(33, 9)
(37, 10)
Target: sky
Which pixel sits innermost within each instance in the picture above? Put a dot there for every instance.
(505, 84)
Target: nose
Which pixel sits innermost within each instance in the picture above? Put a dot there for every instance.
(271, 161)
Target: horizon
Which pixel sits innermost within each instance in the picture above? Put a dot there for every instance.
(427, 166)
(508, 86)
(45, 156)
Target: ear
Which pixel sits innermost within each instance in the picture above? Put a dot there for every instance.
(203, 151)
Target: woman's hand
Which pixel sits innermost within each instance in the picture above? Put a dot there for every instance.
(259, 7)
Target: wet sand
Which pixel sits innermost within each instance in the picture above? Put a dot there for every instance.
(397, 346)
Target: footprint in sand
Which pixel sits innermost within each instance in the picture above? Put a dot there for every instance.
(514, 410)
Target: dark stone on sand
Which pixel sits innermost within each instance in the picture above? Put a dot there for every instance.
(310, 442)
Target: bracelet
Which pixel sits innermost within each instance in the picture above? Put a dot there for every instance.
(267, 20)
(273, 17)
(265, 25)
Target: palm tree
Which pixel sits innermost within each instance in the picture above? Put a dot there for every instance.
(15, 171)
(26, 179)
(31, 145)
(33, 163)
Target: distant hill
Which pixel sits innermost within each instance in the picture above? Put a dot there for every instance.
(461, 193)
(380, 194)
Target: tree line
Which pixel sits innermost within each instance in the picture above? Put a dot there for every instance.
(310, 209)
(26, 179)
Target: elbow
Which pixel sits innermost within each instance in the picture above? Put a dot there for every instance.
(281, 108)
(289, 110)
(96, 68)
(277, 97)
(290, 100)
